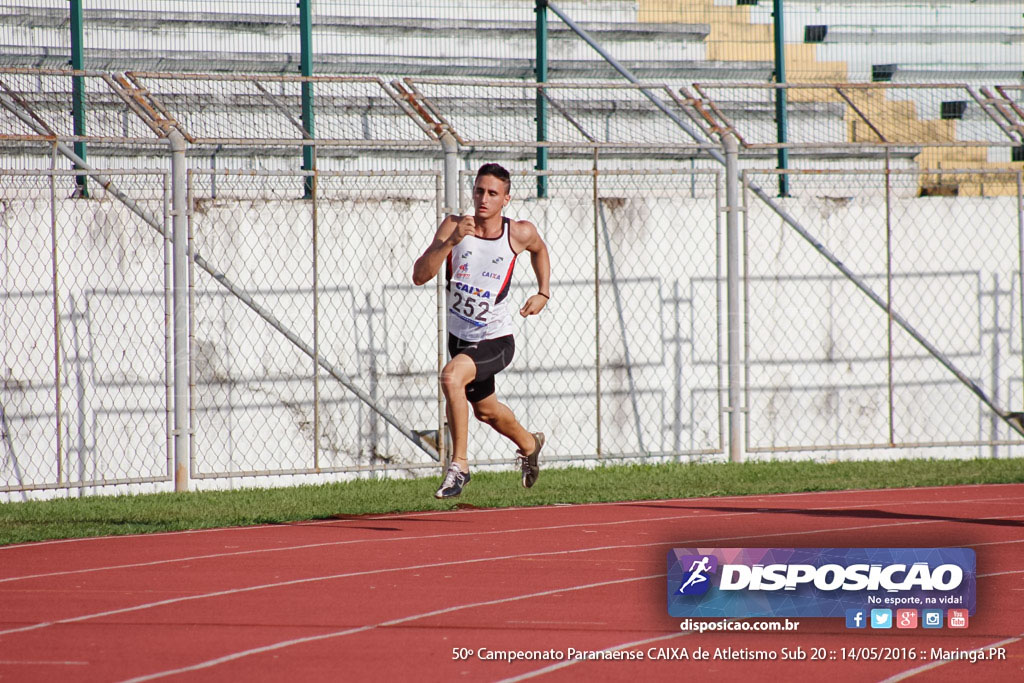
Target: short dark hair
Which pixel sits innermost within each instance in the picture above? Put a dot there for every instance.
(499, 172)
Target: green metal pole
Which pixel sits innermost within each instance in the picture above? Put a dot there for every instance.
(781, 105)
(542, 106)
(306, 64)
(78, 91)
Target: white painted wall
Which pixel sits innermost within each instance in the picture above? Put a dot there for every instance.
(817, 350)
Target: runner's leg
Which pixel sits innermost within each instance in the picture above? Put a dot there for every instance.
(501, 418)
(459, 372)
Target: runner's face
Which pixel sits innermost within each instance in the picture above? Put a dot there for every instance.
(490, 196)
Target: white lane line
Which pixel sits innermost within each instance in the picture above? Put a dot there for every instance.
(1015, 571)
(539, 508)
(765, 498)
(31, 662)
(940, 662)
(446, 610)
(327, 544)
(368, 572)
(570, 662)
(393, 622)
(161, 534)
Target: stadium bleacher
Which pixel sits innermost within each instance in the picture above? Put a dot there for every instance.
(977, 41)
(189, 41)
(710, 41)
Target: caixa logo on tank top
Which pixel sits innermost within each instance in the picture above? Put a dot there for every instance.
(473, 291)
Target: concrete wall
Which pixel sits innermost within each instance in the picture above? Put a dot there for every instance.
(817, 375)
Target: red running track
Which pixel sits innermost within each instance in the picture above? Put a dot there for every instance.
(389, 597)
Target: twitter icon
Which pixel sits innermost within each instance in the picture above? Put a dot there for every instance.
(881, 618)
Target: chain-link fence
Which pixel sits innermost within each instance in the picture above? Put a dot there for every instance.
(86, 350)
(334, 271)
(625, 359)
(827, 367)
(308, 352)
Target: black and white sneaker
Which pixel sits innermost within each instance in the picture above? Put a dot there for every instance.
(530, 462)
(454, 480)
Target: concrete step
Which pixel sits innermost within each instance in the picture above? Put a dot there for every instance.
(189, 61)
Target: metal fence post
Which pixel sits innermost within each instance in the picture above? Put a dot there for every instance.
(781, 99)
(442, 414)
(541, 9)
(78, 91)
(1020, 256)
(57, 355)
(451, 207)
(179, 236)
(306, 67)
(732, 276)
(597, 314)
(890, 358)
(313, 187)
(451, 173)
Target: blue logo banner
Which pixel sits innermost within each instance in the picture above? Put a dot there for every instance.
(819, 582)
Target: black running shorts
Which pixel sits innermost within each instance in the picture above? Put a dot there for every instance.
(491, 356)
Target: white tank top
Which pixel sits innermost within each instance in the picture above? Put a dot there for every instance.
(479, 273)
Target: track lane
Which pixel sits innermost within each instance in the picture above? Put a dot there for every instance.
(234, 577)
(211, 626)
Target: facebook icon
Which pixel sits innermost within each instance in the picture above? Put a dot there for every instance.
(856, 618)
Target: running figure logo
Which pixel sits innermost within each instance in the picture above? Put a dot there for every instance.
(696, 581)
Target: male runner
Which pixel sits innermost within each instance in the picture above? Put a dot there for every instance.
(480, 253)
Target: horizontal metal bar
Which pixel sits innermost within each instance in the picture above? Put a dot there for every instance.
(606, 458)
(320, 142)
(321, 174)
(839, 146)
(470, 144)
(828, 86)
(88, 484)
(399, 467)
(640, 146)
(83, 138)
(878, 173)
(70, 173)
(36, 71)
(300, 471)
(247, 142)
(712, 171)
(284, 78)
(880, 446)
(530, 85)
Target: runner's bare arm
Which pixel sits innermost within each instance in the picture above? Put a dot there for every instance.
(526, 233)
(449, 233)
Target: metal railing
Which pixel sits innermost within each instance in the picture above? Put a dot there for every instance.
(308, 354)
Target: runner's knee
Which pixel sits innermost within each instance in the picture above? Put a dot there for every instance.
(450, 382)
(453, 379)
(484, 414)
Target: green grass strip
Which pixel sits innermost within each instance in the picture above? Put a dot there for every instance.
(113, 515)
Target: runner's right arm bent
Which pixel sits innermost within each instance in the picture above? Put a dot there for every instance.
(451, 231)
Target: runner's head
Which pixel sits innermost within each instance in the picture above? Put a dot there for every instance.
(491, 191)
(498, 171)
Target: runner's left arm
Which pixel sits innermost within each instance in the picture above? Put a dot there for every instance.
(541, 263)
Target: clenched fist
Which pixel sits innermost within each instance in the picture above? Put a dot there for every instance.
(464, 228)
(534, 305)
